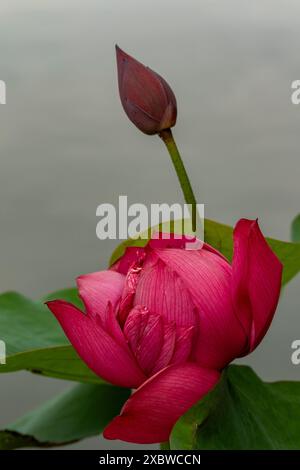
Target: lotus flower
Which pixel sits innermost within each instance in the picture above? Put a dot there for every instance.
(166, 320)
(146, 97)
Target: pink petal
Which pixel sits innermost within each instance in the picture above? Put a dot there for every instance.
(105, 356)
(132, 255)
(193, 288)
(167, 349)
(99, 288)
(101, 292)
(183, 345)
(162, 240)
(151, 412)
(164, 293)
(256, 280)
(112, 326)
(144, 332)
(129, 290)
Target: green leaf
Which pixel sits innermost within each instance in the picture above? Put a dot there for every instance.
(35, 341)
(220, 237)
(80, 412)
(295, 229)
(242, 412)
(70, 295)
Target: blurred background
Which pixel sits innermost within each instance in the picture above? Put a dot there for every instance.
(66, 145)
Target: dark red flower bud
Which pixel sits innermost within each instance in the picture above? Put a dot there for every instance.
(146, 97)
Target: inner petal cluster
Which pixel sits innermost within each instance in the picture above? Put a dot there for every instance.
(158, 327)
(154, 342)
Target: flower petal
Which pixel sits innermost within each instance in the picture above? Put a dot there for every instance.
(105, 356)
(256, 280)
(183, 345)
(164, 293)
(193, 288)
(98, 289)
(129, 290)
(162, 240)
(132, 255)
(167, 350)
(151, 412)
(144, 332)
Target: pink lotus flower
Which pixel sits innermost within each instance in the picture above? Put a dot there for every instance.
(146, 97)
(166, 320)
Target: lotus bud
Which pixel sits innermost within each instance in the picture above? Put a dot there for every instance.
(146, 97)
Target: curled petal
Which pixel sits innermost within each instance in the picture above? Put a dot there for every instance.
(98, 289)
(133, 255)
(105, 356)
(113, 327)
(151, 412)
(167, 350)
(256, 280)
(101, 293)
(129, 290)
(144, 332)
(183, 345)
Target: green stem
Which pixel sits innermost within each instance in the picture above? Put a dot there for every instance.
(167, 136)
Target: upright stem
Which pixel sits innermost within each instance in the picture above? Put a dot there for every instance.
(167, 136)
